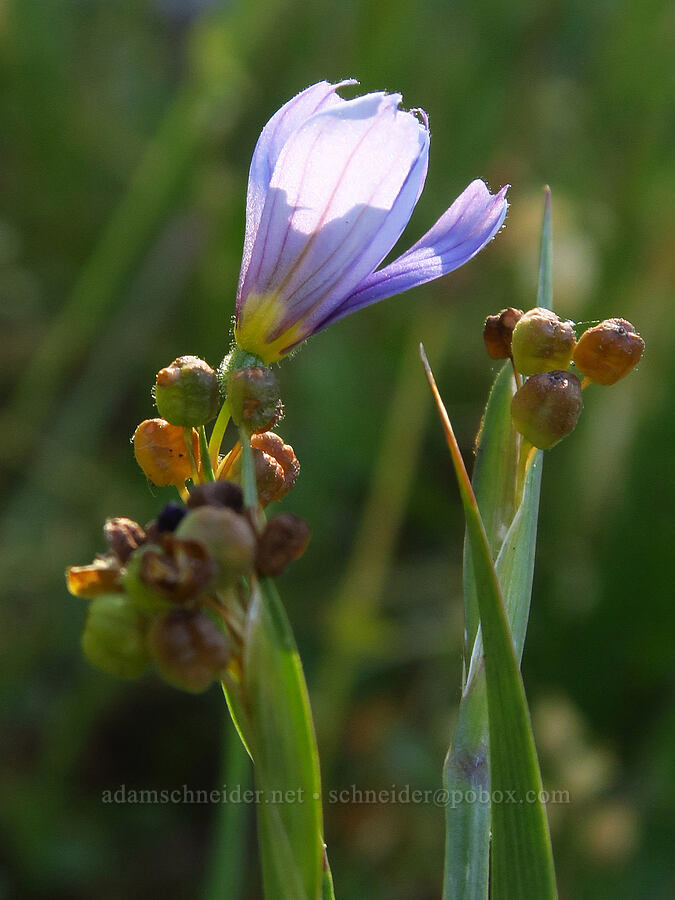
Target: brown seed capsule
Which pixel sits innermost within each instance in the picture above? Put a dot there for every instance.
(498, 331)
(284, 539)
(276, 467)
(268, 450)
(189, 649)
(186, 392)
(253, 394)
(607, 352)
(217, 493)
(547, 407)
(161, 453)
(227, 537)
(102, 576)
(123, 537)
(542, 342)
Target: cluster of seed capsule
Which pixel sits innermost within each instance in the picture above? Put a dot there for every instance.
(173, 594)
(548, 400)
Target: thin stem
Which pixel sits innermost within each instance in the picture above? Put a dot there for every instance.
(207, 468)
(187, 435)
(248, 481)
(228, 461)
(517, 376)
(527, 454)
(218, 433)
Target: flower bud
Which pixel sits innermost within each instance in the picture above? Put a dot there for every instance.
(186, 392)
(114, 636)
(189, 649)
(608, 351)
(284, 539)
(498, 331)
(227, 537)
(123, 537)
(542, 342)
(217, 493)
(160, 451)
(547, 407)
(253, 394)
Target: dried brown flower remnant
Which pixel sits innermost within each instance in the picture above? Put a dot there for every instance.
(179, 570)
(102, 576)
(607, 352)
(498, 331)
(161, 452)
(123, 537)
(284, 540)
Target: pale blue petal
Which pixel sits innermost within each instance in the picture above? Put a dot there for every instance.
(342, 191)
(270, 144)
(462, 231)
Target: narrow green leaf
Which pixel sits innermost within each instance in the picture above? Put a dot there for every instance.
(510, 520)
(466, 767)
(522, 861)
(545, 286)
(328, 889)
(285, 753)
(226, 875)
(494, 484)
(235, 704)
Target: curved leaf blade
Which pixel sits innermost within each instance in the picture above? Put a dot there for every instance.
(284, 749)
(522, 860)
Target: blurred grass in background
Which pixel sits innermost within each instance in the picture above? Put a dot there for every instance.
(126, 130)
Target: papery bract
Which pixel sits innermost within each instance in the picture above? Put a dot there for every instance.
(332, 185)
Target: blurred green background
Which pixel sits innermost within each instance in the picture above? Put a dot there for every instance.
(126, 129)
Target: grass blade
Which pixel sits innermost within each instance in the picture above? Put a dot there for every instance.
(225, 877)
(522, 861)
(509, 514)
(286, 759)
(494, 484)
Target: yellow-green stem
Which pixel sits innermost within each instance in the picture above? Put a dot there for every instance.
(218, 433)
(207, 468)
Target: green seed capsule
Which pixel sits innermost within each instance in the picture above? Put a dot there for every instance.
(186, 392)
(547, 407)
(114, 636)
(189, 649)
(253, 394)
(227, 537)
(609, 351)
(542, 342)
